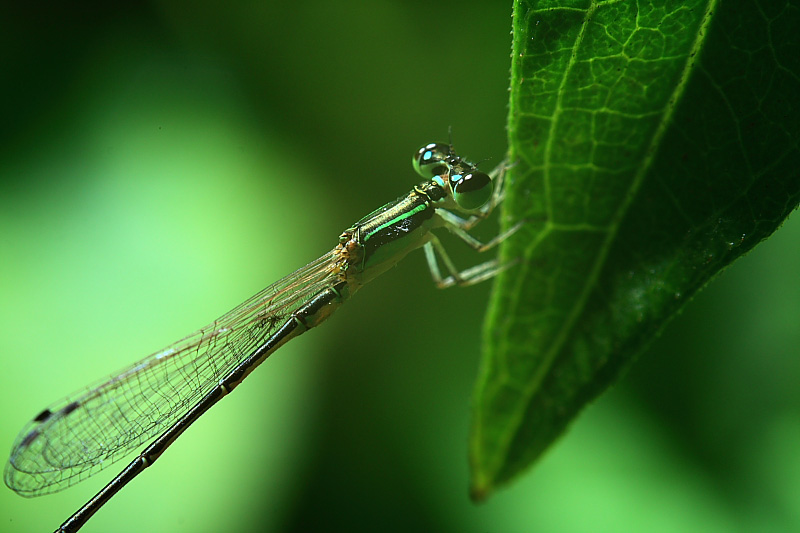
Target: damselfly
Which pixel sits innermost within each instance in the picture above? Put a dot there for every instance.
(163, 394)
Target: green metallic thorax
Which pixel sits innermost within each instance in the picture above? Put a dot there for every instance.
(387, 234)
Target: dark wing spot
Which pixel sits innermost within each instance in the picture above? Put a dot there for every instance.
(44, 415)
(69, 408)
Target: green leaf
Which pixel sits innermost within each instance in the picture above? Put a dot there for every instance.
(653, 143)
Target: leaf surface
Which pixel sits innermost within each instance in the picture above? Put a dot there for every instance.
(653, 144)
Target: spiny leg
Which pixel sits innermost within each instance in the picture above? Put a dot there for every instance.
(452, 223)
(469, 276)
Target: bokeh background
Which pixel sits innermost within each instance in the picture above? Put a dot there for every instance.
(161, 163)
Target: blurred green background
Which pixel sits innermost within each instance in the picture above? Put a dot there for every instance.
(161, 163)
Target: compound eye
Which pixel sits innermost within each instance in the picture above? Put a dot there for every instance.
(472, 191)
(431, 160)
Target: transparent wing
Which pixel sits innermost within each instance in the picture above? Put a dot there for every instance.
(87, 431)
